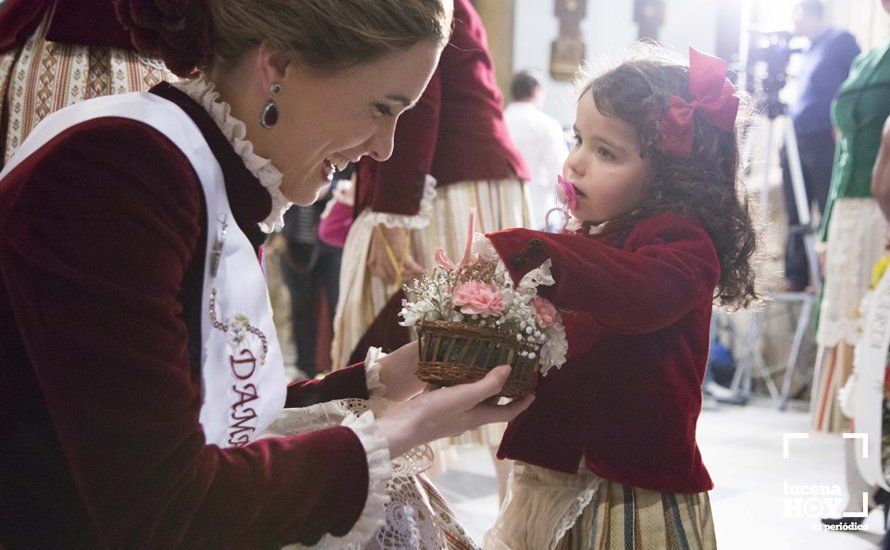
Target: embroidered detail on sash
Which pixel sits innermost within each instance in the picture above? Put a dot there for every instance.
(243, 365)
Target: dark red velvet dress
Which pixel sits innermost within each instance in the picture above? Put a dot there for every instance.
(628, 398)
(101, 266)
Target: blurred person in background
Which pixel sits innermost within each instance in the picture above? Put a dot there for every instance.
(824, 65)
(310, 268)
(50, 59)
(541, 142)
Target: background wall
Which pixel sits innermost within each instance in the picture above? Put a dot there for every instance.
(609, 28)
(864, 18)
(499, 18)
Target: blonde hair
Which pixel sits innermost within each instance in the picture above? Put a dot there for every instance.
(327, 35)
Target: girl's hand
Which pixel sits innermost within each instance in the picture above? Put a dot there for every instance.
(448, 411)
(390, 256)
(398, 373)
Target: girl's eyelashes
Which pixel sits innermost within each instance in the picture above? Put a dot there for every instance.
(605, 153)
(382, 110)
(576, 140)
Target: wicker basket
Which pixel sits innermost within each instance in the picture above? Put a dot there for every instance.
(454, 353)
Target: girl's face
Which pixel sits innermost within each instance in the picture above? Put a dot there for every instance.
(605, 166)
(327, 120)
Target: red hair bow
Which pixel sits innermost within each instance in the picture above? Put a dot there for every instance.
(712, 95)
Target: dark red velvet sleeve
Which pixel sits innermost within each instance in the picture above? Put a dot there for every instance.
(97, 230)
(340, 384)
(665, 269)
(18, 20)
(396, 186)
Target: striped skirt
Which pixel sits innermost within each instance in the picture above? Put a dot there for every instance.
(42, 77)
(550, 510)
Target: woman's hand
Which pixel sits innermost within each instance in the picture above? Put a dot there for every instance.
(448, 411)
(390, 256)
(398, 372)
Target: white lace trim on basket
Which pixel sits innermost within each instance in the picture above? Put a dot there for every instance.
(204, 93)
(417, 221)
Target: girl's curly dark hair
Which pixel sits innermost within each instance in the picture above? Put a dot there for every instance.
(703, 186)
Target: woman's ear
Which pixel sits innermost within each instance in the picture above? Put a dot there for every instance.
(271, 65)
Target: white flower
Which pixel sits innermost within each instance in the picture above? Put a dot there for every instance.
(420, 310)
(484, 249)
(455, 316)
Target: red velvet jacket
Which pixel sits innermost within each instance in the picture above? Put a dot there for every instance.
(628, 397)
(82, 22)
(101, 265)
(456, 132)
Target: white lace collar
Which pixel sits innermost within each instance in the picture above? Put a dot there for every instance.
(204, 93)
(576, 226)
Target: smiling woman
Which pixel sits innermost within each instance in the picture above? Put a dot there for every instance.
(140, 362)
(325, 119)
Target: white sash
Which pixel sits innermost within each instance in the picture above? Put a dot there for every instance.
(868, 397)
(241, 363)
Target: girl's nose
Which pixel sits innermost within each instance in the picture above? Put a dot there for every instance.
(572, 165)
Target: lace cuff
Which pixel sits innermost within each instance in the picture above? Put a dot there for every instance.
(380, 473)
(417, 221)
(376, 389)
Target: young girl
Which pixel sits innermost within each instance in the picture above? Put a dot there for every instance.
(607, 452)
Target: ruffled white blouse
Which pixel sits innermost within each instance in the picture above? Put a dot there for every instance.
(204, 93)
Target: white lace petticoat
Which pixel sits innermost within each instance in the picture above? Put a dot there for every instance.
(856, 237)
(402, 510)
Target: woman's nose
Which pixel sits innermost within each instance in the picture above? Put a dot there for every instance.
(381, 144)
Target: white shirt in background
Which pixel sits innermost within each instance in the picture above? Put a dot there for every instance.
(540, 140)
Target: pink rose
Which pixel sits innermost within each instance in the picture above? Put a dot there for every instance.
(544, 311)
(475, 298)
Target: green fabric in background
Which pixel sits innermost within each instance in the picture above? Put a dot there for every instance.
(859, 111)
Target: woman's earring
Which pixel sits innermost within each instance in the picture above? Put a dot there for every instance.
(269, 114)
